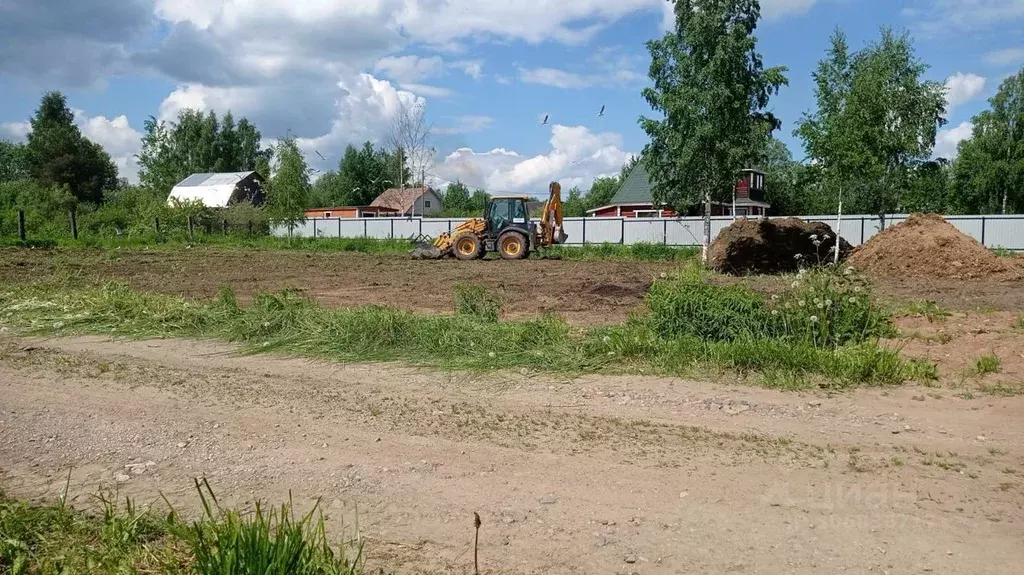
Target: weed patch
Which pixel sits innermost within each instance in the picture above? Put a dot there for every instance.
(988, 364)
(121, 538)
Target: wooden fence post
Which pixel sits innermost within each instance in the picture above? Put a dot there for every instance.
(21, 225)
(188, 219)
(74, 224)
(224, 227)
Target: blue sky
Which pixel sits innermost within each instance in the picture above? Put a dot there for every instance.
(485, 71)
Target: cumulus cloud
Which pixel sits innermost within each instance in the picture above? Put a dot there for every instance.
(961, 88)
(117, 137)
(472, 68)
(947, 140)
(576, 157)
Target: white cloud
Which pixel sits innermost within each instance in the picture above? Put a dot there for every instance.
(576, 157)
(1005, 57)
(15, 131)
(947, 140)
(607, 66)
(472, 68)
(964, 16)
(117, 137)
(427, 90)
(961, 88)
(465, 125)
(363, 112)
(410, 69)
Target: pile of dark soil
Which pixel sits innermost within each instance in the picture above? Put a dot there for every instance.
(755, 246)
(927, 246)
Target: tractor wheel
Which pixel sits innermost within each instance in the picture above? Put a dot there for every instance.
(467, 246)
(512, 246)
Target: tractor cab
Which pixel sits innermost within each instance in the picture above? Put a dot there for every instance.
(504, 212)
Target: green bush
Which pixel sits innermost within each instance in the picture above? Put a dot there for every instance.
(821, 308)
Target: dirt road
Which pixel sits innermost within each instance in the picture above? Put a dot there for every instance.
(597, 475)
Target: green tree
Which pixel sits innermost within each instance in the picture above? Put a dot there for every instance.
(712, 89)
(989, 172)
(602, 191)
(197, 143)
(875, 123)
(328, 191)
(13, 162)
(456, 199)
(58, 155)
(575, 204)
(928, 187)
(478, 201)
(288, 195)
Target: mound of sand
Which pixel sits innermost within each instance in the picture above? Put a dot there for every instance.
(927, 246)
(755, 246)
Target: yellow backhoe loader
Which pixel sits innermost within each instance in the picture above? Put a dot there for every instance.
(505, 228)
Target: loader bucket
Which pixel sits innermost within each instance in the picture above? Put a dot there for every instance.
(426, 251)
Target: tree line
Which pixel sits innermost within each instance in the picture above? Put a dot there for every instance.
(868, 142)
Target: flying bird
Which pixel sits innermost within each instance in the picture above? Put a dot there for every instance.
(545, 121)
(601, 113)
(325, 159)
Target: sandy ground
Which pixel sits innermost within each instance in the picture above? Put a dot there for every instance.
(596, 475)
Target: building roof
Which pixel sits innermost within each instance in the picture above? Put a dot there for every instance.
(329, 208)
(400, 200)
(634, 191)
(215, 190)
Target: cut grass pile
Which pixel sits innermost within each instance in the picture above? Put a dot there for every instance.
(690, 327)
(121, 538)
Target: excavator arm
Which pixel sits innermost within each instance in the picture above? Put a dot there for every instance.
(551, 230)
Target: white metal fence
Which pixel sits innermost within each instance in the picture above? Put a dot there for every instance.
(992, 231)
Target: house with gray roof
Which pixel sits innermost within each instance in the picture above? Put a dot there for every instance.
(634, 198)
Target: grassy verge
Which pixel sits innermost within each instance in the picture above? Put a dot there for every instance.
(634, 252)
(121, 538)
(813, 334)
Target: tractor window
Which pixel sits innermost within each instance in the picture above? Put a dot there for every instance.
(519, 212)
(500, 214)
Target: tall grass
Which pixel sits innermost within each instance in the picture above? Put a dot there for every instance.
(639, 252)
(689, 325)
(121, 538)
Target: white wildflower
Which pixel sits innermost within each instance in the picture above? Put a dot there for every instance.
(853, 299)
(775, 297)
(817, 300)
(814, 236)
(825, 237)
(775, 312)
(848, 271)
(857, 289)
(664, 275)
(811, 289)
(828, 303)
(796, 285)
(606, 339)
(787, 305)
(802, 303)
(821, 306)
(490, 354)
(58, 325)
(814, 319)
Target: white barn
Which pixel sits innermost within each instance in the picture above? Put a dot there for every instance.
(219, 190)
